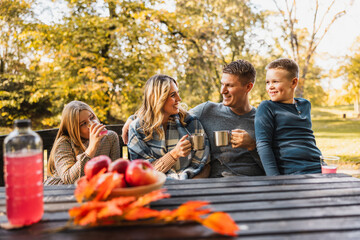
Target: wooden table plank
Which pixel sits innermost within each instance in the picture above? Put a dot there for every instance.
(263, 196)
(283, 207)
(222, 188)
(195, 231)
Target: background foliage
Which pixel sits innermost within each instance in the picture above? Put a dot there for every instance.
(102, 52)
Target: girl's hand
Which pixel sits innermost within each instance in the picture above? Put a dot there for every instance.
(182, 148)
(94, 138)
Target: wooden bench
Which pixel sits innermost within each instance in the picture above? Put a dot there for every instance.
(48, 137)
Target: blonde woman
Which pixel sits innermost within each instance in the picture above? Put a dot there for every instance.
(80, 138)
(160, 132)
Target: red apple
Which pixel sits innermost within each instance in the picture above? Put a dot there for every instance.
(93, 166)
(140, 172)
(120, 165)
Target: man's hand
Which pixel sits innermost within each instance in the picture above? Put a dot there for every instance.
(125, 131)
(241, 139)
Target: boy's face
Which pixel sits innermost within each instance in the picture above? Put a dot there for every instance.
(280, 86)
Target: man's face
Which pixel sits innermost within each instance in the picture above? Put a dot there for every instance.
(279, 86)
(233, 92)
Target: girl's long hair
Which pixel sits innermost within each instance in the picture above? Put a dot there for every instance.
(151, 116)
(69, 126)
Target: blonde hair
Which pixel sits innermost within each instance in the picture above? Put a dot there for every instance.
(69, 127)
(156, 92)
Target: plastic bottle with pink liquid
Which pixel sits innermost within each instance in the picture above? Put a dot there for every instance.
(23, 175)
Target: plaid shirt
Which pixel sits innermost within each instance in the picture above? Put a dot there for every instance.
(70, 167)
(185, 167)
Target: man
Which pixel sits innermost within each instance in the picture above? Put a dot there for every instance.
(234, 113)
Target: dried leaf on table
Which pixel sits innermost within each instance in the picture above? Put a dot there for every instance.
(85, 188)
(191, 210)
(140, 213)
(104, 188)
(124, 210)
(222, 223)
(150, 197)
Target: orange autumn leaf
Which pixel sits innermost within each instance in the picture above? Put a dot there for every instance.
(90, 218)
(121, 209)
(109, 210)
(222, 223)
(150, 197)
(191, 211)
(87, 188)
(167, 215)
(81, 184)
(122, 201)
(140, 213)
(78, 213)
(111, 180)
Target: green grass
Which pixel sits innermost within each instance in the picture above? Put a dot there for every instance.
(336, 135)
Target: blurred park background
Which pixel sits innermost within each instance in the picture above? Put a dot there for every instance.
(102, 52)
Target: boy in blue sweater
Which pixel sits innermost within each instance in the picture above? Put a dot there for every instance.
(284, 139)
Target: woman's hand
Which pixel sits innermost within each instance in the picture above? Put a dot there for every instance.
(125, 131)
(241, 139)
(182, 148)
(94, 138)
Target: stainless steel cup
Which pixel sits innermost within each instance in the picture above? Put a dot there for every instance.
(222, 138)
(197, 141)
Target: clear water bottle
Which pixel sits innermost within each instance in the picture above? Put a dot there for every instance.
(23, 175)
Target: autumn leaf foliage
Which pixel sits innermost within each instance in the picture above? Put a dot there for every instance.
(126, 210)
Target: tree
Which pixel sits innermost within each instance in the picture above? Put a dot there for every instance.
(204, 36)
(302, 43)
(351, 74)
(18, 85)
(102, 54)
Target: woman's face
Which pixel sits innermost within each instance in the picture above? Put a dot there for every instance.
(85, 117)
(171, 105)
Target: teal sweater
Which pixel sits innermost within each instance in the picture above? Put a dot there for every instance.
(284, 139)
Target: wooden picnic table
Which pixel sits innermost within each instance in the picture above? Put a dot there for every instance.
(312, 206)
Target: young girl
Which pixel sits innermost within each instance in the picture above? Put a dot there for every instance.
(80, 138)
(160, 132)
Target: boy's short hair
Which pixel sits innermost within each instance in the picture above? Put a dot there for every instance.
(287, 64)
(242, 69)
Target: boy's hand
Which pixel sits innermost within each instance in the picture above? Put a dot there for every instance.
(241, 139)
(125, 131)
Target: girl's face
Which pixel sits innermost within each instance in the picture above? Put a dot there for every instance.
(171, 105)
(85, 117)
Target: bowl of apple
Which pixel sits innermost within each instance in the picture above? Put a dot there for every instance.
(133, 178)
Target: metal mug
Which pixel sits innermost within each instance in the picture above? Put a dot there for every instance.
(197, 141)
(222, 138)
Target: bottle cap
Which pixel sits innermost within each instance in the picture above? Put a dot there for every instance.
(20, 123)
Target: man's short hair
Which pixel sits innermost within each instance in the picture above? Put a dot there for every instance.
(287, 64)
(243, 69)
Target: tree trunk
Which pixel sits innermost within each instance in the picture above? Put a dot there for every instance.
(357, 105)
